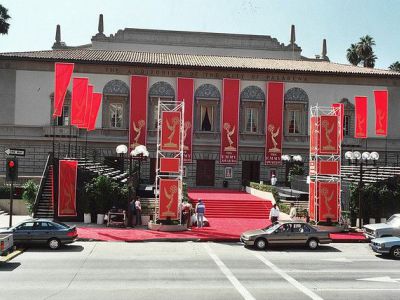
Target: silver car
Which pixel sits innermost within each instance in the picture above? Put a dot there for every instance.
(286, 233)
(387, 245)
(390, 228)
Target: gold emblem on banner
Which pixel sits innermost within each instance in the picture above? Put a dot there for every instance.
(138, 130)
(186, 127)
(274, 133)
(381, 116)
(229, 133)
(361, 125)
(170, 196)
(324, 192)
(172, 129)
(68, 195)
(328, 130)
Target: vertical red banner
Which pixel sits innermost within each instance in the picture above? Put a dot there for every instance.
(314, 137)
(169, 199)
(170, 131)
(230, 121)
(79, 97)
(88, 107)
(274, 123)
(311, 200)
(138, 111)
(63, 73)
(94, 110)
(328, 135)
(361, 108)
(340, 113)
(169, 164)
(67, 188)
(185, 87)
(328, 201)
(381, 112)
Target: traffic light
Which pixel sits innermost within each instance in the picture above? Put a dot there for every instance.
(12, 169)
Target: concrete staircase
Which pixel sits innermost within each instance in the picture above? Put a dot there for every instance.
(45, 206)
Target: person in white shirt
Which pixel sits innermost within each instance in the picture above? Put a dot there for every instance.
(293, 211)
(273, 179)
(274, 214)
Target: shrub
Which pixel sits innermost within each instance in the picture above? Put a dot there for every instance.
(103, 193)
(29, 194)
(266, 188)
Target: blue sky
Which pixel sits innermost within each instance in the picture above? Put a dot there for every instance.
(341, 22)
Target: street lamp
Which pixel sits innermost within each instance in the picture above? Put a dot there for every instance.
(139, 153)
(357, 156)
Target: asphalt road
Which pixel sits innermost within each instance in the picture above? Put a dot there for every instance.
(99, 270)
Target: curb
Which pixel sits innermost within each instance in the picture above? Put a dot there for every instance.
(12, 255)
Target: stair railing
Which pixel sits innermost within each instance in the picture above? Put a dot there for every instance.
(42, 183)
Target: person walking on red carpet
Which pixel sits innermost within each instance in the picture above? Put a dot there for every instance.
(138, 207)
(274, 214)
(200, 212)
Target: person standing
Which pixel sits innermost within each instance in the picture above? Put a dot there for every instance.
(132, 212)
(293, 211)
(274, 214)
(273, 180)
(138, 210)
(200, 211)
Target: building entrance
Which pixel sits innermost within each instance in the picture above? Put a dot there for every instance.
(250, 172)
(205, 171)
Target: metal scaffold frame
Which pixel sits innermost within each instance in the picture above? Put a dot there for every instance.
(170, 106)
(316, 158)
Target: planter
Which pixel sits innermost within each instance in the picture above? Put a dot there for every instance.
(100, 219)
(371, 220)
(145, 220)
(168, 228)
(87, 218)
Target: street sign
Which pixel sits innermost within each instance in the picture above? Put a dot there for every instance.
(15, 152)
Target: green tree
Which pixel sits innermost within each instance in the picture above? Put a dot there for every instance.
(29, 194)
(4, 17)
(352, 55)
(362, 52)
(395, 66)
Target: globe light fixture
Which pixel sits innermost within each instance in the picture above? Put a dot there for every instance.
(121, 149)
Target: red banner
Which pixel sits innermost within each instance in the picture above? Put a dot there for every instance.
(138, 111)
(96, 101)
(63, 73)
(185, 87)
(230, 121)
(328, 168)
(79, 96)
(381, 112)
(85, 125)
(170, 131)
(328, 201)
(361, 104)
(274, 123)
(311, 200)
(169, 165)
(169, 199)
(340, 113)
(67, 188)
(328, 135)
(314, 123)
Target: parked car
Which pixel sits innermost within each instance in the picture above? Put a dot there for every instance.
(6, 243)
(42, 231)
(387, 245)
(390, 228)
(286, 233)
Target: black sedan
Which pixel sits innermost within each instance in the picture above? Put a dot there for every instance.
(43, 231)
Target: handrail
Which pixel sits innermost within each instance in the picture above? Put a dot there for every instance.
(42, 183)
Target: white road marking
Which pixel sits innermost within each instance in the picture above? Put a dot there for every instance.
(381, 279)
(288, 278)
(357, 290)
(344, 259)
(224, 269)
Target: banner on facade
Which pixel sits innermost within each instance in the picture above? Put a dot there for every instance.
(88, 110)
(311, 200)
(78, 101)
(381, 112)
(63, 73)
(230, 121)
(169, 165)
(314, 137)
(138, 111)
(340, 113)
(361, 108)
(274, 123)
(94, 110)
(328, 135)
(67, 188)
(328, 201)
(170, 131)
(328, 167)
(185, 87)
(169, 199)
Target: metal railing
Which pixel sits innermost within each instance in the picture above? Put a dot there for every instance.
(42, 182)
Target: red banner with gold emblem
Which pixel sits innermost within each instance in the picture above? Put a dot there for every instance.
(314, 124)
(274, 123)
(78, 101)
(328, 201)
(328, 135)
(339, 107)
(311, 200)
(230, 121)
(62, 77)
(328, 168)
(88, 110)
(361, 108)
(381, 112)
(185, 87)
(138, 111)
(169, 199)
(67, 188)
(170, 131)
(94, 110)
(169, 164)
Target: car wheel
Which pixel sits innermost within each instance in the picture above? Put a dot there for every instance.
(312, 244)
(395, 252)
(260, 244)
(54, 243)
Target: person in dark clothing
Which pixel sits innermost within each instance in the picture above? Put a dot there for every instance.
(138, 207)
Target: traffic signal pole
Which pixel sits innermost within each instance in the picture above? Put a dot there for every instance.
(11, 201)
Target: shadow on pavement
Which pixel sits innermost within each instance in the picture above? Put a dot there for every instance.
(66, 248)
(322, 248)
(8, 266)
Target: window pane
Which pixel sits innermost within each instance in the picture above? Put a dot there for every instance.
(346, 126)
(251, 120)
(206, 117)
(116, 110)
(294, 121)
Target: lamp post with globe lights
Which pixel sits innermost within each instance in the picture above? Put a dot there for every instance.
(289, 160)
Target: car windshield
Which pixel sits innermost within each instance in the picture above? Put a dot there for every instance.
(272, 228)
(394, 221)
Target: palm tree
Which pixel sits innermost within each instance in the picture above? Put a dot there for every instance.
(365, 51)
(3, 20)
(352, 55)
(395, 66)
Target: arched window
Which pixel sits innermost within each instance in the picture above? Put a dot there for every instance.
(159, 91)
(115, 105)
(252, 100)
(207, 108)
(348, 119)
(296, 112)
(64, 119)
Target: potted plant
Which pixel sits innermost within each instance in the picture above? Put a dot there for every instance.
(29, 194)
(100, 191)
(85, 202)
